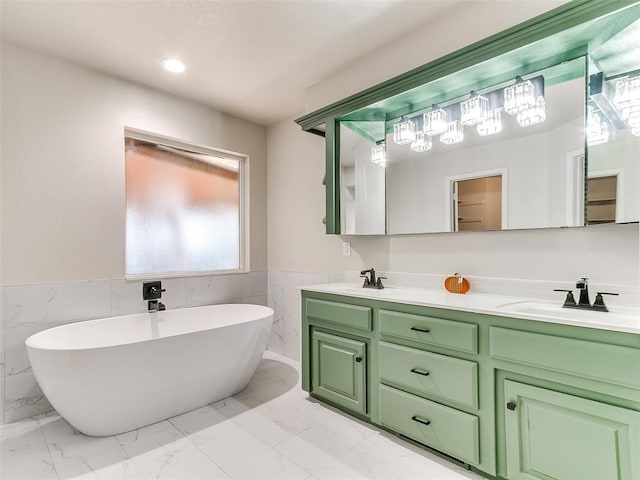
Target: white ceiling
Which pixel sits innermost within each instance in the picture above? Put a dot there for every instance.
(252, 59)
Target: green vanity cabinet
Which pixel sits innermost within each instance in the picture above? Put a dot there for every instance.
(336, 339)
(555, 435)
(339, 370)
(511, 398)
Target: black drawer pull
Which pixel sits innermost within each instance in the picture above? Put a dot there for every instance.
(358, 359)
(511, 406)
(420, 372)
(422, 330)
(415, 418)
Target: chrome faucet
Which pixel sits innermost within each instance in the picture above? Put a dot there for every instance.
(583, 302)
(372, 282)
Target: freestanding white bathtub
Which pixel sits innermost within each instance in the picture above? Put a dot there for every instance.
(117, 374)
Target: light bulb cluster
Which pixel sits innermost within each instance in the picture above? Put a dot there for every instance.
(597, 128)
(524, 100)
(625, 103)
(379, 154)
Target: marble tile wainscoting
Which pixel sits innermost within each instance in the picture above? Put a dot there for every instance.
(27, 309)
(284, 298)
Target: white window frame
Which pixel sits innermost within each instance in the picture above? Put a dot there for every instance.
(244, 223)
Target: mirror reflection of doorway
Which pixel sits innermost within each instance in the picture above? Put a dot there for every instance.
(477, 204)
(601, 199)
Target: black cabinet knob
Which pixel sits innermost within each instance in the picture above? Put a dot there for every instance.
(358, 359)
(511, 406)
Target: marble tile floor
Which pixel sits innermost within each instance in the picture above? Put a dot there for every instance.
(270, 430)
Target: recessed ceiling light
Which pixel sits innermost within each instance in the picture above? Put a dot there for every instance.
(173, 65)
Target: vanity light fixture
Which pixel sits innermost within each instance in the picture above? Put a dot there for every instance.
(474, 110)
(379, 153)
(533, 116)
(453, 134)
(492, 125)
(404, 132)
(173, 65)
(631, 115)
(627, 93)
(435, 122)
(597, 130)
(519, 97)
(422, 143)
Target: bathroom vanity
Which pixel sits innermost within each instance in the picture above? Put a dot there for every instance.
(480, 378)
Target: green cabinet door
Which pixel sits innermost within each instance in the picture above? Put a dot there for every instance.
(552, 435)
(339, 367)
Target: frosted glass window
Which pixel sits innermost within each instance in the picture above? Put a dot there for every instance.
(183, 210)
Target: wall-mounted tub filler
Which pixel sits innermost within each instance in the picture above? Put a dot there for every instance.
(152, 291)
(584, 302)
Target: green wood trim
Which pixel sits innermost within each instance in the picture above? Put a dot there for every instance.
(332, 176)
(537, 28)
(356, 127)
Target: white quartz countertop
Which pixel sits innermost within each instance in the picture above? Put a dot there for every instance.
(619, 318)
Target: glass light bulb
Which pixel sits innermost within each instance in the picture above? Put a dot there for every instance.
(519, 97)
(404, 132)
(453, 134)
(379, 153)
(534, 115)
(474, 110)
(597, 130)
(631, 115)
(492, 125)
(627, 94)
(435, 122)
(422, 143)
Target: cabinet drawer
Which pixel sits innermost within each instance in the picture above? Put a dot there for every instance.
(344, 314)
(429, 374)
(440, 427)
(597, 361)
(430, 330)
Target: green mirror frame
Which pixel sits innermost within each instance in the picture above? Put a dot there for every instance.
(562, 34)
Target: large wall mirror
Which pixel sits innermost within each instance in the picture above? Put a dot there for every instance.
(535, 127)
(570, 158)
(543, 136)
(518, 175)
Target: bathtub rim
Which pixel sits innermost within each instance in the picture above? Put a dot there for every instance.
(268, 313)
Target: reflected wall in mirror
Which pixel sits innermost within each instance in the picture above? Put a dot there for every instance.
(362, 182)
(534, 163)
(613, 129)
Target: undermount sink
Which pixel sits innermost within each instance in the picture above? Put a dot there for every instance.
(549, 310)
